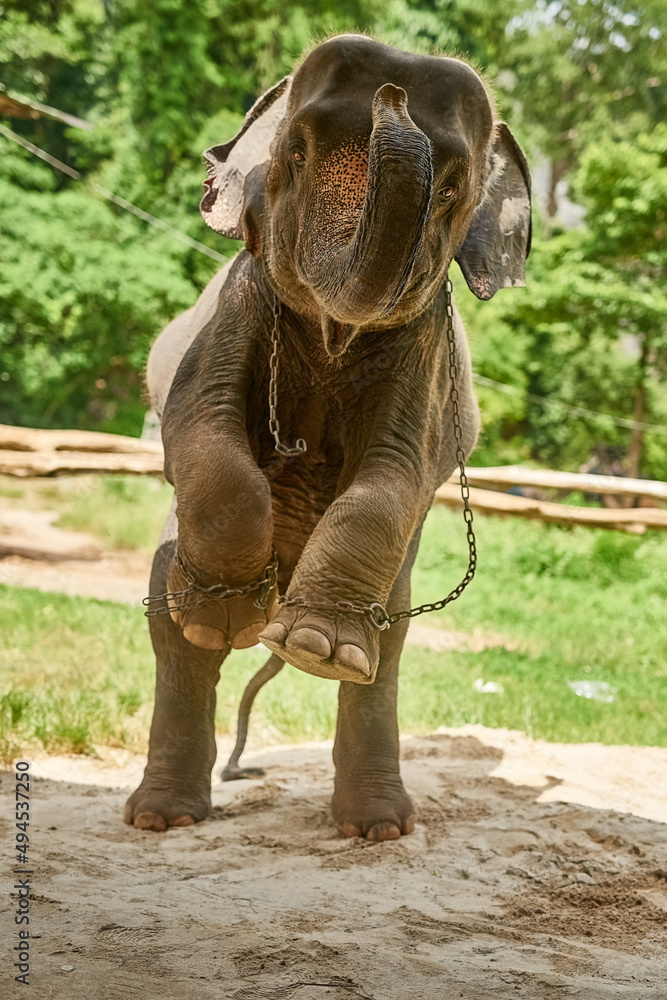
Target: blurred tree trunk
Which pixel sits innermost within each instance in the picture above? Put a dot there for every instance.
(558, 170)
(637, 439)
(635, 450)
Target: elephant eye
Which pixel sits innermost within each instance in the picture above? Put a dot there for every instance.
(298, 156)
(447, 192)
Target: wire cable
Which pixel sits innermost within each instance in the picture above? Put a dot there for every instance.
(580, 411)
(116, 199)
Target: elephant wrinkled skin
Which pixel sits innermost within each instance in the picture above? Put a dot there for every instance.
(354, 185)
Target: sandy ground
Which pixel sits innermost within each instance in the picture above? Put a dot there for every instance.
(36, 553)
(536, 871)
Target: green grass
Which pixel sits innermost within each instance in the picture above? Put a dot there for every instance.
(577, 604)
(123, 512)
(11, 492)
(581, 604)
(75, 673)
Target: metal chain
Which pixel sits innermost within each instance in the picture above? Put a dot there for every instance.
(218, 592)
(274, 424)
(375, 612)
(463, 479)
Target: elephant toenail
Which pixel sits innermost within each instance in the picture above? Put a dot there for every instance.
(205, 636)
(150, 821)
(248, 636)
(311, 640)
(383, 831)
(349, 655)
(276, 632)
(183, 821)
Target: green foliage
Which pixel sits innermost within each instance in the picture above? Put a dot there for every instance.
(85, 288)
(606, 558)
(79, 284)
(593, 321)
(55, 54)
(576, 68)
(124, 512)
(498, 353)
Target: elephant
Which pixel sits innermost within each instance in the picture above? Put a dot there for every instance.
(354, 183)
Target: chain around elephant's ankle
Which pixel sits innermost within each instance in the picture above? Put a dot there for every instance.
(217, 592)
(375, 612)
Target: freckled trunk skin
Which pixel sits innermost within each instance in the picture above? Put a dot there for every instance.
(366, 278)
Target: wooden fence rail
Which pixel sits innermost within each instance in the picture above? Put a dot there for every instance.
(29, 439)
(517, 475)
(25, 452)
(25, 464)
(635, 520)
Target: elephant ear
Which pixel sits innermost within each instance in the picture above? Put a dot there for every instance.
(494, 251)
(233, 198)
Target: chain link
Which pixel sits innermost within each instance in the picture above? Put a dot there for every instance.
(274, 423)
(465, 489)
(218, 592)
(375, 612)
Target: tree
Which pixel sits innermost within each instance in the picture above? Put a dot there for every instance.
(48, 52)
(594, 317)
(82, 293)
(576, 69)
(162, 80)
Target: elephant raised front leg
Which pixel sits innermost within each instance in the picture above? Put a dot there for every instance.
(354, 555)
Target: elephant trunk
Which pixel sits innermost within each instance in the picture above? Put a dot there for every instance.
(364, 279)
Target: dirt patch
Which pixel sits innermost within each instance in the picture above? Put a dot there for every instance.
(511, 885)
(614, 910)
(33, 535)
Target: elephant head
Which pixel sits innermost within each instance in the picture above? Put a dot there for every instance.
(361, 178)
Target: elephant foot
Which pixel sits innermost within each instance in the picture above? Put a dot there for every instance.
(217, 624)
(338, 645)
(383, 814)
(156, 808)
